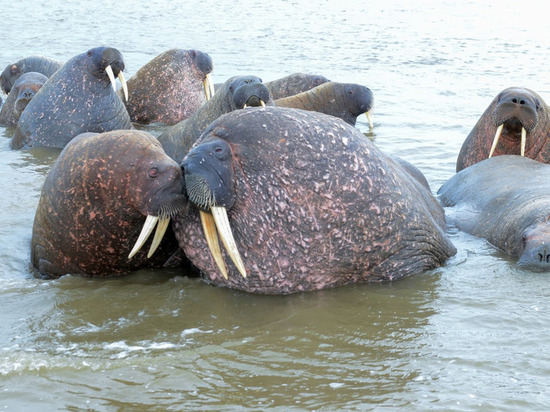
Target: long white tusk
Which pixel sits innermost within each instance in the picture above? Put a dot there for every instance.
(369, 118)
(159, 234)
(148, 227)
(124, 85)
(495, 140)
(211, 235)
(523, 140)
(262, 103)
(208, 87)
(109, 71)
(224, 229)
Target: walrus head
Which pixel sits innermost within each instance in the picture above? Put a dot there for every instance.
(249, 91)
(209, 177)
(202, 62)
(515, 115)
(535, 254)
(105, 63)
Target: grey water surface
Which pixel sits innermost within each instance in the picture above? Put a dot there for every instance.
(473, 335)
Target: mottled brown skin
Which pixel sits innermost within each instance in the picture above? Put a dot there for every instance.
(344, 100)
(314, 205)
(39, 64)
(169, 88)
(78, 98)
(293, 84)
(233, 95)
(504, 199)
(514, 107)
(95, 200)
(21, 94)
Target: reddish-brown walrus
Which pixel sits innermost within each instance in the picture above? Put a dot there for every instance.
(170, 87)
(516, 122)
(95, 200)
(344, 100)
(303, 201)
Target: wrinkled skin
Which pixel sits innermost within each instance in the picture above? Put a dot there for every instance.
(78, 98)
(21, 94)
(344, 100)
(169, 88)
(294, 84)
(235, 93)
(505, 200)
(312, 204)
(95, 200)
(38, 64)
(514, 108)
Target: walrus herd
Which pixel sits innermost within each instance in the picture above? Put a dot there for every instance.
(268, 187)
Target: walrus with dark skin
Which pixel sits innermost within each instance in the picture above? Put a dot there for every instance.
(170, 87)
(80, 97)
(236, 93)
(504, 199)
(302, 201)
(344, 100)
(21, 94)
(516, 122)
(98, 195)
(39, 64)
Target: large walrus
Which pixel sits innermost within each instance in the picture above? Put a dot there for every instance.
(236, 93)
(516, 122)
(78, 98)
(504, 199)
(21, 94)
(170, 87)
(39, 64)
(344, 100)
(303, 201)
(293, 84)
(97, 196)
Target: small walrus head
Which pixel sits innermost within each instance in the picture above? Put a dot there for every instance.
(249, 91)
(105, 63)
(209, 182)
(516, 113)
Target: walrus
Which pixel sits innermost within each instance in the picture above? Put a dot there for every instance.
(78, 98)
(100, 192)
(21, 94)
(302, 201)
(293, 84)
(505, 200)
(170, 87)
(516, 122)
(40, 64)
(237, 92)
(344, 100)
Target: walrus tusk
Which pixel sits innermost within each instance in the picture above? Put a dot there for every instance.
(224, 229)
(124, 85)
(523, 140)
(262, 103)
(208, 87)
(109, 71)
(495, 140)
(369, 118)
(148, 227)
(211, 235)
(159, 235)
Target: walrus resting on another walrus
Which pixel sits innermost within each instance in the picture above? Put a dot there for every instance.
(303, 201)
(97, 196)
(516, 122)
(504, 199)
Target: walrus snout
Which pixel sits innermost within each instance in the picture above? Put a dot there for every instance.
(252, 94)
(536, 248)
(514, 104)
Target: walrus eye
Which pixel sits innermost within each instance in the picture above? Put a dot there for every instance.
(350, 92)
(153, 172)
(537, 104)
(89, 53)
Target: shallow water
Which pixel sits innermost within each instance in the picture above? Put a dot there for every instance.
(472, 335)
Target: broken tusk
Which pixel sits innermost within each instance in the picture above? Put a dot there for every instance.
(148, 227)
(224, 229)
(211, 235)
(495, 140)
(159, 235)
(109, 71)
(523, 140)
